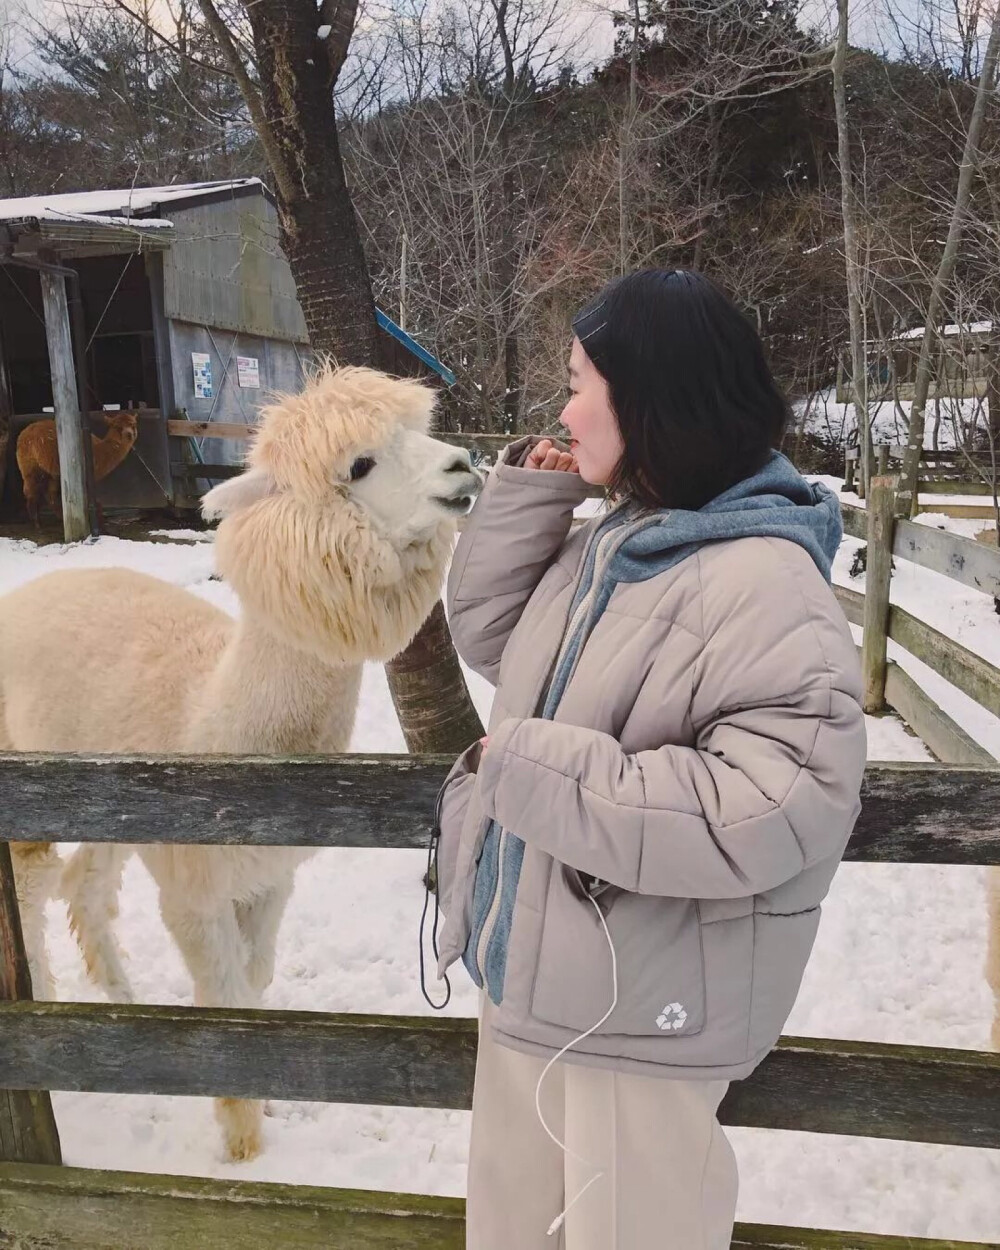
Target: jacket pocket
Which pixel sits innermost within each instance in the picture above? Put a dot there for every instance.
(658, 951)
(449, 817)
(782, 945)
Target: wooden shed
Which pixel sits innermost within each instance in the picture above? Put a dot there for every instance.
(176, 301)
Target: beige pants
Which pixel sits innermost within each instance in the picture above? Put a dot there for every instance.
(669, 1178)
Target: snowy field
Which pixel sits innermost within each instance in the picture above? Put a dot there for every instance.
(899, 959)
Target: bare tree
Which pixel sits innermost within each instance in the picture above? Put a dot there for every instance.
(858, 344)
(949, 256)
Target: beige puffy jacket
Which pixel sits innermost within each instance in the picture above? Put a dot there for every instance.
(705, 760)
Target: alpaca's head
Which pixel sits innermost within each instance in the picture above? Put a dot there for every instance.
(125, 425)
(361, 436)
(339, 531)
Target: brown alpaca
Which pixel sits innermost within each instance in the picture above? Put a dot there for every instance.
(38, 457)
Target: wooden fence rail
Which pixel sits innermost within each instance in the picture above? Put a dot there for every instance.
(916, 813)
(814, 1085)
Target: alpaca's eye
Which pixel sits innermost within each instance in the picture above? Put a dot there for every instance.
(361, 468)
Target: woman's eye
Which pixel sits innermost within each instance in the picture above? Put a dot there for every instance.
(361, 467)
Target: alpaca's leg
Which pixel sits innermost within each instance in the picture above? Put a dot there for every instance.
(259, 921)
(36, 873)
(54, 494)
(993, 948)
(34, 493)
(90, 885)
(216, 956)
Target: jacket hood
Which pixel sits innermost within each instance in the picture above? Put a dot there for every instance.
(776, 502)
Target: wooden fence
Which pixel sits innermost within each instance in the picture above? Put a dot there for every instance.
(946, 472)
(811, 1084)
(961, 559)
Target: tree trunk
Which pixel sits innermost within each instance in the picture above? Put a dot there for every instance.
(319, 231)
(848, 208)
(429, 692)
(907, 497)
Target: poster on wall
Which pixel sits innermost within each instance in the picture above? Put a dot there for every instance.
(202, 364)
(248, 371)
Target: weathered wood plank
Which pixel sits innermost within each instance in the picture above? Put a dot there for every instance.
(932, 725)
(488, 444)
(767, 1237)
(343, 800)
(209, 429)
(28, 1131)
(960, 484)
(66, 405)
(77, 1209)
(979, 679)
(962, 559)
(855, 520)
(205, 472)
(820, 1086)
(853, 603)
(879, 570)
(964, 511)
(911, 813)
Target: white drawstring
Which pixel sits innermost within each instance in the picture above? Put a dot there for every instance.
(557, 1223)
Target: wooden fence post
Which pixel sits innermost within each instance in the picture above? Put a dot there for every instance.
(66, 403)
(878, 570)
(28, 1132)
(849, 463)
(883, 458)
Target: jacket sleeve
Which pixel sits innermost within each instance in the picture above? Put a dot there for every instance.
(770, 787)
(515, 530)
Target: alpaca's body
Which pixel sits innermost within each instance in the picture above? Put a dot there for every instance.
(38, 457)
(330, 570)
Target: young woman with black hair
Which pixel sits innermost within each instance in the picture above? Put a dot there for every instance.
(632, 863)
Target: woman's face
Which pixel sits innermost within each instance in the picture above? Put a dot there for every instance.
(590, 420)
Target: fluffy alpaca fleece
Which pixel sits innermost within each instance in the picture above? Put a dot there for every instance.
(329, 572)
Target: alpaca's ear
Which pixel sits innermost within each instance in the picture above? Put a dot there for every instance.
(240, 492)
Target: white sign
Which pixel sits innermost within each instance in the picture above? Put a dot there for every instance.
(248, 371)
(202, 364)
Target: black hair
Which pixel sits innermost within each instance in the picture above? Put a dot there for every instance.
(696, 403)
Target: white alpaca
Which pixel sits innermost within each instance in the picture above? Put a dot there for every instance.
(336, 541)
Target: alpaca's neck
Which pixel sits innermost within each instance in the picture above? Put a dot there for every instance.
(110, 451)
(267, 697)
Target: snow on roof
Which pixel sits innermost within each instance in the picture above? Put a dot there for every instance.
(975, 327)
(113, 207)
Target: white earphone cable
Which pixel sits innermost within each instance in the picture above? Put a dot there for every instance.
(558, 1221)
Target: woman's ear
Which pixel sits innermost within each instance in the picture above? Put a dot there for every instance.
(240, 492)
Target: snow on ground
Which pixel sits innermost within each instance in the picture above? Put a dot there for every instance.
(899, 958)
(832, 419)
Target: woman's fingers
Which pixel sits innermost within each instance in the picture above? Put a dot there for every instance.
(538, 453)
(544, 456)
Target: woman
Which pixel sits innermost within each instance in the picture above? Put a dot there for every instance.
(631, 864)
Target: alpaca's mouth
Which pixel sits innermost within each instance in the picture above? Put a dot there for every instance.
(459, 504)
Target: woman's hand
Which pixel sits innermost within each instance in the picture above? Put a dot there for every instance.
(544, 456)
